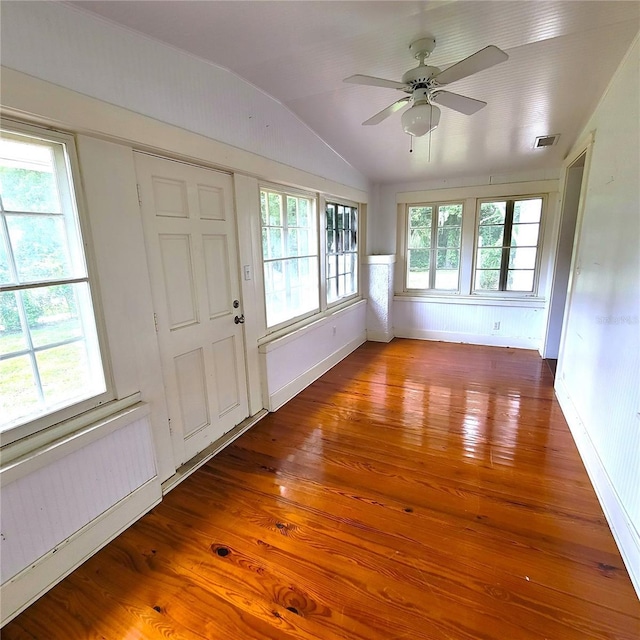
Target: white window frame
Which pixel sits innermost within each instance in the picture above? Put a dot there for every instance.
(289, 326)
(296, 193)
(433, 248)
(71, 191)
(471, 196)
(483, 293)
(343, 300)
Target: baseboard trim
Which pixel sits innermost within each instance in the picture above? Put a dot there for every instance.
(213, 449)
(624, 532)
(35, 580)
(379, 336)
(280, 397)
(467, 338)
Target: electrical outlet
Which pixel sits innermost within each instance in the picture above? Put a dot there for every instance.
(496, 326)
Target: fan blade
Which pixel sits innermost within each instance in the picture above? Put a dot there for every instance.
(375, 82)
(457, 102)
(479, 61)
(385, 113)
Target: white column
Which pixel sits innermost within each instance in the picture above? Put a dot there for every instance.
(378, 281)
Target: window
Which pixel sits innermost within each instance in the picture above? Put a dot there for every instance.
(49, 353)
(433, 247)
(507, 245)
(342, 251)
(290, 256)
(296, 257)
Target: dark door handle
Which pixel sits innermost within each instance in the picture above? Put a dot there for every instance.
(239, 319)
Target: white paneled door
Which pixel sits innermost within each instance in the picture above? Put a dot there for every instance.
(190, 236)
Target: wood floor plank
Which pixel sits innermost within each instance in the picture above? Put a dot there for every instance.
(418, 490)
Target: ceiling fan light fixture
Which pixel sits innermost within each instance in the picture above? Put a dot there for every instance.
(420, 119)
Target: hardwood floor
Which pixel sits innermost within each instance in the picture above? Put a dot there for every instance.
(418, 490)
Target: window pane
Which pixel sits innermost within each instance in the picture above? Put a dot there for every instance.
(275, 209)
(447, 279)
(275, 243)
(490, 236)
(527, 210)
(330, 221)
(420, 216)
(524, 235)
(449, 215)
(304, 246)
(420, 239)
(447, 259)
(331, 241)
(418, 273)
(292, 242)
(52, 314)
(18, 391)
(487, 280)
(493, 212)
(27, 177)
(263, 208)
(449, 237)
(520, 280)
(66, 374)
(332, 289)
(40, 247)
(5, 274)
(291, 289)
(12, 337)
(292, 218)
(489, 258)
(522, 258)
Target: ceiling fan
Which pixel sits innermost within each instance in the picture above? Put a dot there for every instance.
(422, 84)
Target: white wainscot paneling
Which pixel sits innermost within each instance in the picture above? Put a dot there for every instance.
(472, 322)
(293, 362)
(65, 501)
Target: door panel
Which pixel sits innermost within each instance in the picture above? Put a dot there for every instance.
(179, 286)
(189, 227)
(216, 263)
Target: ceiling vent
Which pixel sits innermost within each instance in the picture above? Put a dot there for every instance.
(546, 141)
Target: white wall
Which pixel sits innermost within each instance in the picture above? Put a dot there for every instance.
(90, 55)
(598, 379)
(294, 361)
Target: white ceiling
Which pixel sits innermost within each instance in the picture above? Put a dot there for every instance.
(562, 55)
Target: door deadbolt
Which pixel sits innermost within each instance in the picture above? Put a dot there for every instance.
(236, 304)
(239, 319)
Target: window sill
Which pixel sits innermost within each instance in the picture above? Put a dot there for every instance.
(269, 343)
(41, 439)
(535, 302)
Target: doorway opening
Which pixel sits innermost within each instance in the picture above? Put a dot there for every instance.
(564, 252)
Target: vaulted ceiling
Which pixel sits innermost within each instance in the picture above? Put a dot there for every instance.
(561, 57)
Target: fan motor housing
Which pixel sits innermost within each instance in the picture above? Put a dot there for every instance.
(420, 75)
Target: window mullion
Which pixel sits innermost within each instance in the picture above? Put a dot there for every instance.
(504, 265)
